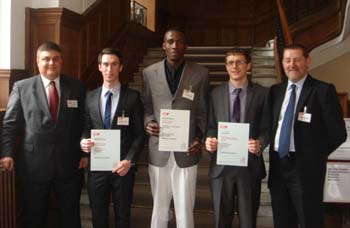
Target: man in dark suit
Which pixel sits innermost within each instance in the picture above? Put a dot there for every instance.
(126, 114)
(241, 101)
(307, 125)
(44, 117)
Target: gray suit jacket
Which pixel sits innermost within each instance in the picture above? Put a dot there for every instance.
(157, 95)
(46, 149)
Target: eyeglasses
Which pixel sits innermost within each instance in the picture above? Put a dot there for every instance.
(238, 63)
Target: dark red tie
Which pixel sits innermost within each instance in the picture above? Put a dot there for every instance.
(53, 96)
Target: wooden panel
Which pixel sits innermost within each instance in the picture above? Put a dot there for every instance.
(343, 99)
(7, 78)
(7, 200)
(4, 87)
(7, 193)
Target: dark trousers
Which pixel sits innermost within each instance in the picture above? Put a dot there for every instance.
(104, 185)
(287, 195)
(239, 177)
(35, 197)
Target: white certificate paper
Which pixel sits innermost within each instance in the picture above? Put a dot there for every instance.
(105, 154)
(174, 130)
(232, 144)
(343, 151)
(337, 183)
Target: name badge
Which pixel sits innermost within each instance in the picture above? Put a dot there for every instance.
(188, 94)
(123, 121)
(304, 116)
(72, 103)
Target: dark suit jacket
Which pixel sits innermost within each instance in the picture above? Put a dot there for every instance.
(132, 136)
(219, 111)
(47, 149)
(314, 141)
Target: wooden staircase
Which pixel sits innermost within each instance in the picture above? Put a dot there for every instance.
(212, 58)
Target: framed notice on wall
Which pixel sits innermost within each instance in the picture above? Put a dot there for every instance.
(343, 152)
(337, 183)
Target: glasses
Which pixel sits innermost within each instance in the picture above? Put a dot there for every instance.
(238, 63)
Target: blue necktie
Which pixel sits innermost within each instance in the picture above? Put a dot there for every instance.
(108, 110)
(286, 128)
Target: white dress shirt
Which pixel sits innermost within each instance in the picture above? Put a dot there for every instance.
(46, 83)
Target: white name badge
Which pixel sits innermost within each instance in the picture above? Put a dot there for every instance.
(72, 103)
(188, 94)
(123, 121)
(304, 117)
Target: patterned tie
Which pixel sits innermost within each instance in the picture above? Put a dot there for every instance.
(108, 107)
(286, 128)
(53, 99)
(236, 109)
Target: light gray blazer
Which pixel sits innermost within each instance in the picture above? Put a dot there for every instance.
(157, 95)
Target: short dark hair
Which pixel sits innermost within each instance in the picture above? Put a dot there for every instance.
(175, 29)
(297, 47)
(238, 51)
(111, 51)
(49, 46)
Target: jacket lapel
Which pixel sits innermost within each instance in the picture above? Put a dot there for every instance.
(40, 93)
(305, 91)
(279, 96)
(225, 94)
(160, 78)
(95, 109)
(65, 94)
(120, 107)
(249, 99)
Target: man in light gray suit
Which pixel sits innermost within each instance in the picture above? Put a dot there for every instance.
(240, 101)
(174, 84)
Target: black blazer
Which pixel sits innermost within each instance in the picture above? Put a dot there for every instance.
(314, 141)
(46, 149)
(132, 136)
(255, 113)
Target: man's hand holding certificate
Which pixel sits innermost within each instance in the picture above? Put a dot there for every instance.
(174, 130)
(105, 154)
(232, 144)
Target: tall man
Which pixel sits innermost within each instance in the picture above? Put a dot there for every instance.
(47, 112)
(120, 108)
(241, 101)
(174, 84)
(307, 125)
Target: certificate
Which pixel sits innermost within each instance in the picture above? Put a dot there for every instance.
(337, 183)
(105, 154)
(232, 144)
(343, 151)
(174, 130)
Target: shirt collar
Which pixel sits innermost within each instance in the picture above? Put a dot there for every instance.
(232, 88)
(115, 90)
(47, 81)
(299, 84)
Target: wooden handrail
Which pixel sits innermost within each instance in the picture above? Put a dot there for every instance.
(284, 23)
(278, 67)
